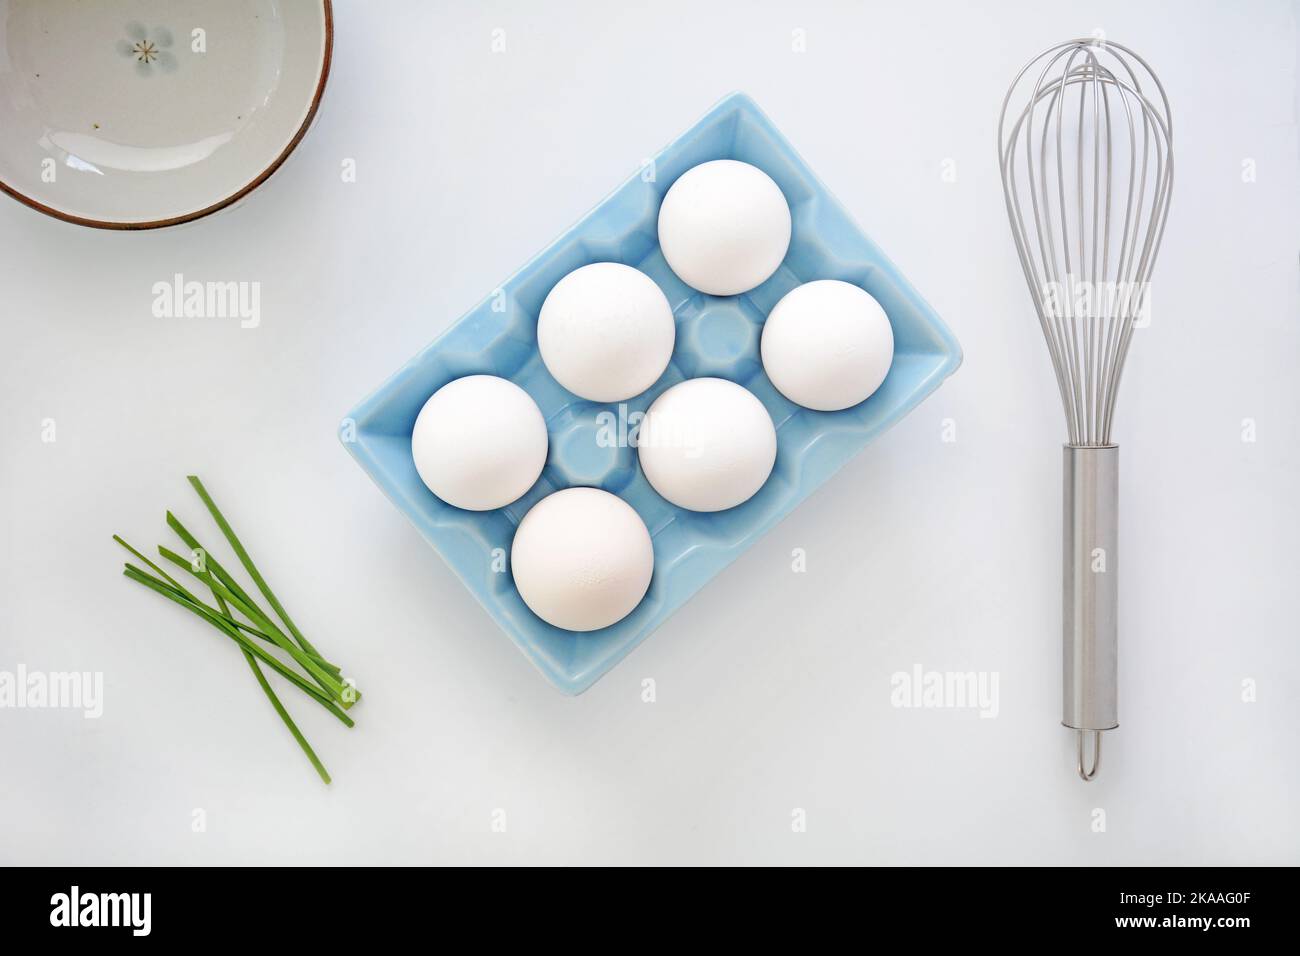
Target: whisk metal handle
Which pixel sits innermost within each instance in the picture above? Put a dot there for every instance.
(1091, 679)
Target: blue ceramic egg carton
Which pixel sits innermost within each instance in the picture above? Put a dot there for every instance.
(715, 336)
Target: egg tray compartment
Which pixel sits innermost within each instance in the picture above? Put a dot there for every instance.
(716, 336)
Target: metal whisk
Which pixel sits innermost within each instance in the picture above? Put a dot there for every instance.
(1085, 143)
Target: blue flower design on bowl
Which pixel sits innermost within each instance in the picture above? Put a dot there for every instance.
(150, 49)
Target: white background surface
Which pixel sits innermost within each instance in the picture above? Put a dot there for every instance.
(773, 687)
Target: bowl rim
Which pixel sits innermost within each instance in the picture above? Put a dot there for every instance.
(326, 58)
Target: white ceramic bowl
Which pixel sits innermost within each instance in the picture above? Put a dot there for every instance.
(135, 114)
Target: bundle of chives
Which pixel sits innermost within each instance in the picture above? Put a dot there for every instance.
(318, 678)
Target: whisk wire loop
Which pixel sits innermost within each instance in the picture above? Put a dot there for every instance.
(1085, 139)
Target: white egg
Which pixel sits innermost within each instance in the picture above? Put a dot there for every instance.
(606, 332)
(479, 442)
(707, 444)
(582, 559)
(827, 345)
(724, 227)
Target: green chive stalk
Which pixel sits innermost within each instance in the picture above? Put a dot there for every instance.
(314, 675)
